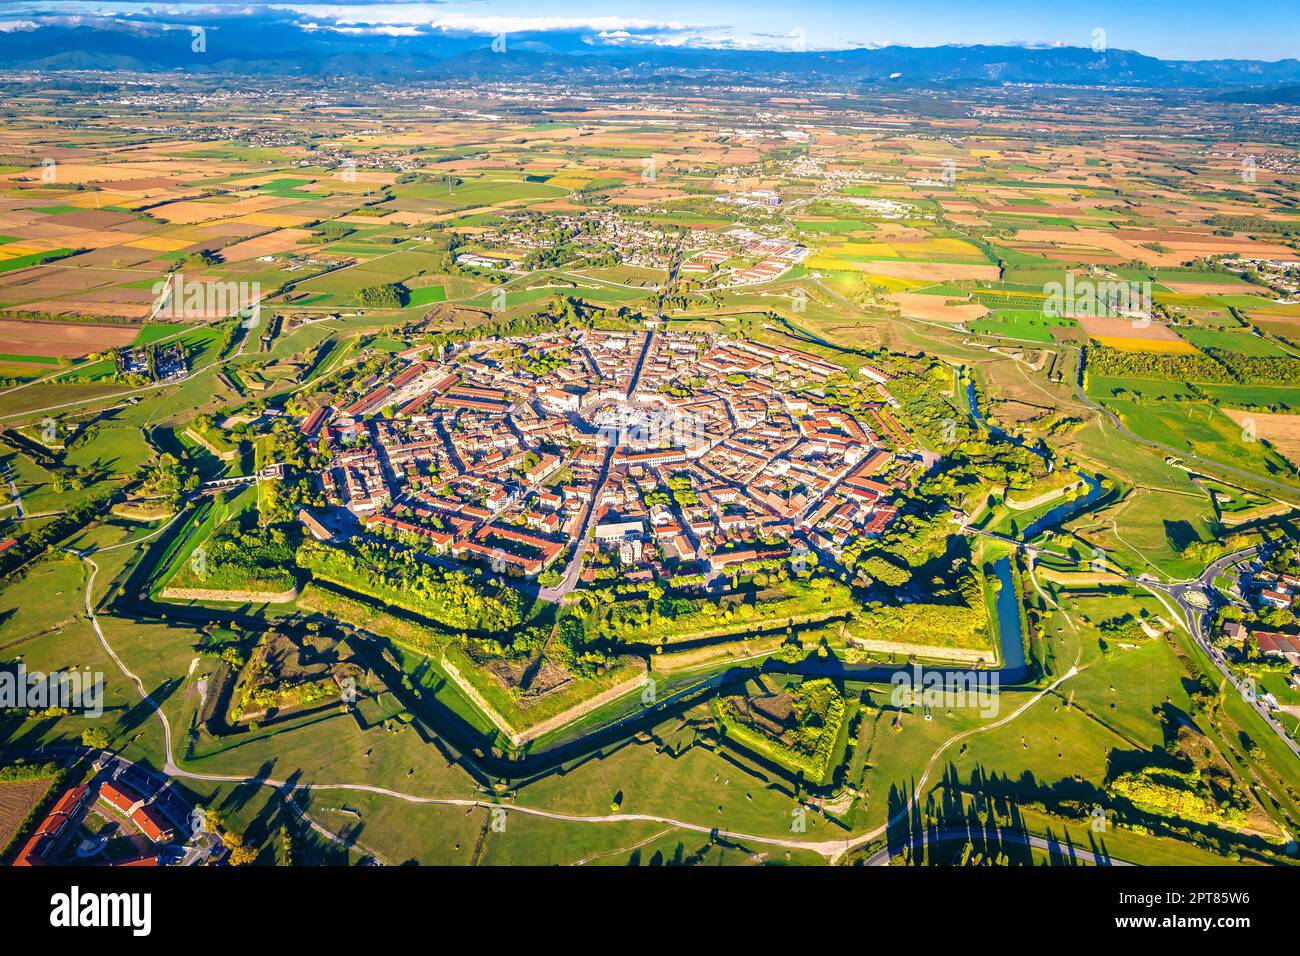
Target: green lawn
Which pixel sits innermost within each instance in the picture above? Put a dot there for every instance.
(1020, 324)
(426, 295)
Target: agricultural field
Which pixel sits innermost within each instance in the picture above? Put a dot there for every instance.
(652, 489)
(18, 799)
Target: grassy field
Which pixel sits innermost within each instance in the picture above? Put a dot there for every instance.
(1021, 324)
(1242, 342)
(1201, 430)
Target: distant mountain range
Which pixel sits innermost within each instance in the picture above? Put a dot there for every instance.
(285, 49)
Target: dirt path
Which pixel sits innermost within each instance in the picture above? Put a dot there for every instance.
(833, 850)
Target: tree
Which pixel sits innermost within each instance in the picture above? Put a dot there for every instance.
(390, 295)
(1276, 617)
(96, 738)
(883, 570)
(240, 853)
(285, 839)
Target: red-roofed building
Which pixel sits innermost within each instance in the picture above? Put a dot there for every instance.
(1279, 645)
(150, 821)
(152, 824)
(55, 825)
(315, 420)
(880, 520)
(120, 796)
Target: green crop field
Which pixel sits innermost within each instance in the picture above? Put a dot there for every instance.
(1241, 342)
(637, 545)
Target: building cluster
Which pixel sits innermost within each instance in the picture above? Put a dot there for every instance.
(596, 234)
(767, 258)
(667, 450)
(120, 792)
(166, 362)
(1281, 275)
(1268, 589)
(1275, 590)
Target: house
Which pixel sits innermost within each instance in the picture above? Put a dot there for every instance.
(152, 824)
(718, 562)
(147, 817)
(1277, 599)
(1272, 644)
(612, 532)
(557, 399)
(312, 424)
(120, 796)
(57, 824)
(314, 527)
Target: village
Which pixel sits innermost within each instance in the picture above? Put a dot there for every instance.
(739, 256)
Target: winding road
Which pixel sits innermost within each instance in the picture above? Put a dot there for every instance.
(832, 850)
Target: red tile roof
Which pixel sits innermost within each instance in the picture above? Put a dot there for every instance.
(120, 796)
(51, 828)
(152, 824)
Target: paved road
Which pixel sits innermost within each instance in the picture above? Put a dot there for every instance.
(574, 569)
(1196, 618)
(169, 764)
(14, 493)
(882, 857)
(1191, 598)
(832, 850)
(1194, 611)
(1114, 419)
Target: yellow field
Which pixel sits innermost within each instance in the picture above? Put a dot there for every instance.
(160, 243)
(1162, 346)
(14, 251)
(898, 249)
(944, 246)
(911, 269)
(876, 250)
(569, 181)
(894, 283)
(850, 283)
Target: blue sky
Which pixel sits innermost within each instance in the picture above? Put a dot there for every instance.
(1171, 29)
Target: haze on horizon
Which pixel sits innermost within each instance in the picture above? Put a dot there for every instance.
(1168, 29)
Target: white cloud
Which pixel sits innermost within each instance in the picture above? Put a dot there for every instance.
(368, 29)
(492, 25)
(413, 18)
(710, 39)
